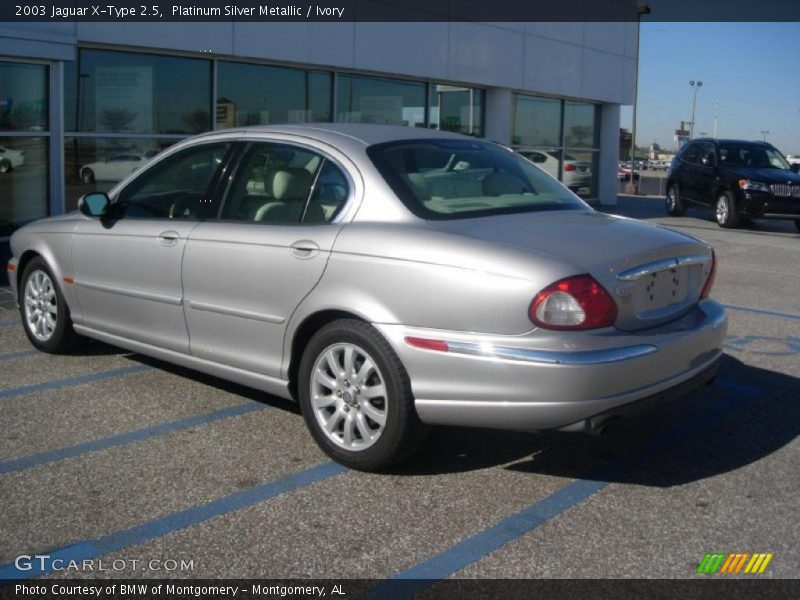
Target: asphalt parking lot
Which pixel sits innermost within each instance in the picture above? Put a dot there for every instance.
(110, 455)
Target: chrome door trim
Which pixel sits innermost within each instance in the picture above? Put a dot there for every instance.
(176, 301)
(232, 312)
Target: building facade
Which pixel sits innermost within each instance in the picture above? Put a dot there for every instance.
(84, 104)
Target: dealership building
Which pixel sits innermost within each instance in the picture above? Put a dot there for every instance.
(84, 104)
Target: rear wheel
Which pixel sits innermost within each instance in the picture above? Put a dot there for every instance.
(797, 224)
(5, 166)
(87, 176)
(675, 207)
(356, 397)
(45, 315)
(725, 211)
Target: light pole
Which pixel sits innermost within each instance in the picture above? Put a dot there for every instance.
(764, 133)
(716, 116)
(641, 9)
(703, 133)
(697, 87)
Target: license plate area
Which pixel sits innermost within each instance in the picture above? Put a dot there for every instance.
(661, 290)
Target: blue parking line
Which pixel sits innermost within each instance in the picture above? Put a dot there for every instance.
(8, 323)
(20, 354)
(763, 311)
(483, 543)
(171, 523)
(34, 460)
(70, 381)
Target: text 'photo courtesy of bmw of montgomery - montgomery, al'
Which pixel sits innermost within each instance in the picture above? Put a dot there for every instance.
(386, 278)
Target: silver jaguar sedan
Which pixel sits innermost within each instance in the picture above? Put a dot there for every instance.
(385, 277)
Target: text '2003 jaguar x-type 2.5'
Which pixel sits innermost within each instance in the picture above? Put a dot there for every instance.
(387, 278)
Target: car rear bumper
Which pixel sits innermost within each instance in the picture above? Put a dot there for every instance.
(536, 382)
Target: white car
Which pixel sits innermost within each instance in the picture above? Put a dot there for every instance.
(114, 168)
(577, 174)
(793, 160)
(10, 159)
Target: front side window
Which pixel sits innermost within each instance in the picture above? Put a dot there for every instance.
(756, 157)
(175, 188)
(453, 179)
(282, 184)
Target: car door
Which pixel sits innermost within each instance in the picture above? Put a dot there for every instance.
(706, 170)
(245, 273)
(127, 267)
(688, 180)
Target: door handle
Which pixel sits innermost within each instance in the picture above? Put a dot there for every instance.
(168, 238)
(304, 249)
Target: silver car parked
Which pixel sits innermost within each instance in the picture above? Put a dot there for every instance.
(385, 277)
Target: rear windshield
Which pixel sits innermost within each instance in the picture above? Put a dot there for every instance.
(455, 179)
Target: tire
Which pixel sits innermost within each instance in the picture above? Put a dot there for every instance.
(675, 207)
(87, 176)
(5, 166)
(370, 445)
(797, 224)
(39, 295)
(725, 210)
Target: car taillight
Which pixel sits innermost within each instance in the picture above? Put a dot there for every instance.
(569, 167)
(712, 276)
(577, 302)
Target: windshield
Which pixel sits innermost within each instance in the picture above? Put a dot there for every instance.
(454, 179)
(757, 157)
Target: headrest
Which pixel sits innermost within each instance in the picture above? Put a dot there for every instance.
(495, 184)
(290, 184)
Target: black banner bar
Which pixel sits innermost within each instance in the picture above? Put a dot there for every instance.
(398, 10)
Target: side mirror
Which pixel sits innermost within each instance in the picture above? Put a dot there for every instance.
(795, 168)
(94, 205)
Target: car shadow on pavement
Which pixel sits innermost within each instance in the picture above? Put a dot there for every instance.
(746, 415)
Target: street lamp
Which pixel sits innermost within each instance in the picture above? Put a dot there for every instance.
(641, 9)
(764, 133)
(696, 88)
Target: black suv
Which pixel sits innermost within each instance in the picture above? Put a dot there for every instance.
(739, 179)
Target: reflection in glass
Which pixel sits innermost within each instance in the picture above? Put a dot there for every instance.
(260, 95)
(537, 121)
(458, 109)
(580, 130)
(97, 164)
(23, 97)
(373, 100)
(547, 159)
(119, 92)
(579, 172)
(24, 176)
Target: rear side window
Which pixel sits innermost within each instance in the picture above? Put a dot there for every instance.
(454, 179)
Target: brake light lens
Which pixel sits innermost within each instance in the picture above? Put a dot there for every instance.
(712, 276)
(569, 167)
(577, 302)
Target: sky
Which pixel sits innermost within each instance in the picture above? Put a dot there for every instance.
(750, 69)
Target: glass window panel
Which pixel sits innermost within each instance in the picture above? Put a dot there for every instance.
(537, 121)
(260, 95)
(126, 92)
(373, 100)
(24, 177)
(456, 109)
(23, 97)
(174, 188)
(98, 164)
(578, 172)
(580, 125)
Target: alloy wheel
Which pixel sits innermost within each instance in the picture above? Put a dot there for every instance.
(41, 306)
(348, 396)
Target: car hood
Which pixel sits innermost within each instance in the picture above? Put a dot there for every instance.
(764, 175)
(603, 245)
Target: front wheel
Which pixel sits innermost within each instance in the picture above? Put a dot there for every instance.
(797, 224)
(45, 315)
(356, 398)
(675, 207)
(87, 176)
(5, 166)
(725, 211)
